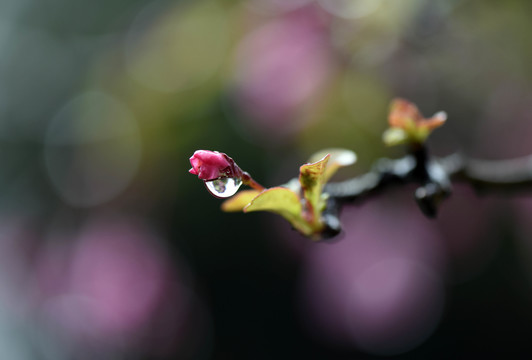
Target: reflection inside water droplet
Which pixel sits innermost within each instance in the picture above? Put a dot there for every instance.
(224, 187)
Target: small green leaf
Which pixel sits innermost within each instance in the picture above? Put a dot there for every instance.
(284, 202)
(338, 158)
(421, 134)
(278, 200)
(240, 200)
(311, 178)
(395, 136)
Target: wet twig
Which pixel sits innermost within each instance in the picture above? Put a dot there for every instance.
(434, 177)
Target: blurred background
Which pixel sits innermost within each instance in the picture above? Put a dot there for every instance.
(109, 249)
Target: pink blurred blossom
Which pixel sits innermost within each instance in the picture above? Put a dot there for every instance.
(281, 66)
(19, 244)
(379, 288)
(121, 275)
(109, 285)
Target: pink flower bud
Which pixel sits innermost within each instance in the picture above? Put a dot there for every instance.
(211, 165)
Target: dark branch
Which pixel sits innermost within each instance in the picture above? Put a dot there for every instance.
(434, 178)
(430, 175)
(386, 172)
(494, 175)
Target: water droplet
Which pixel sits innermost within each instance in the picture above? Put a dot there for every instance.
(223, 188)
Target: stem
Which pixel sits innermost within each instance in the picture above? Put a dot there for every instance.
(249, 181)
(495, 175)
(416, 168)
(386, 172)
